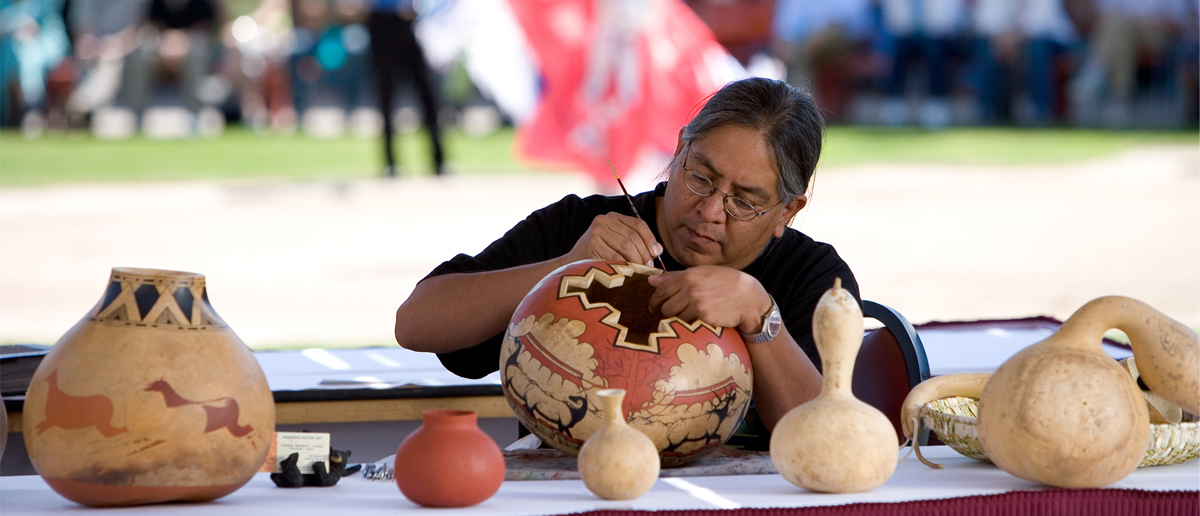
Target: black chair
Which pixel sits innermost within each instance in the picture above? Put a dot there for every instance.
(890, 363)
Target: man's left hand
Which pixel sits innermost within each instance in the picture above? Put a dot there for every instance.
(717, 295)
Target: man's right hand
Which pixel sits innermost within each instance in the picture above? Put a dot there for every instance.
(617, 237)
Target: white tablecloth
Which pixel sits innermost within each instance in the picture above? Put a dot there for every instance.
(356, 496)
(951, 349)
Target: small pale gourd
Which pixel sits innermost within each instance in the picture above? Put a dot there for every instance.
(1064, 413)
(835, 443)
(617, 462)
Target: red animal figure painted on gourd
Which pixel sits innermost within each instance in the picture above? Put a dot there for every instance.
(75, 412)
(220, 412)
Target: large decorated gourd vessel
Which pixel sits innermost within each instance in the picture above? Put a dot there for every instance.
(587, 327)
(149, 398)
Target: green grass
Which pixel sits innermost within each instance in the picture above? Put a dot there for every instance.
(986, 146)
(239, 153)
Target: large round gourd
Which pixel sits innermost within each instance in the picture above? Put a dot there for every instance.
(1063, 412)
(149, 398)
(835, 443)
(587, 327)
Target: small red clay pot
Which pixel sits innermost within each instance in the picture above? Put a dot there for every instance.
(449, 461)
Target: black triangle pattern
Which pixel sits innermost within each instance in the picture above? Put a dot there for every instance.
(184, 297)
(110, 295)
(146, 296)
(216, 321)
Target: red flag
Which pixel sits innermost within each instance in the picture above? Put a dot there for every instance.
(619, 79)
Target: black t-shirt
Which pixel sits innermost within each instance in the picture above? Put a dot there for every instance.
(794, 269)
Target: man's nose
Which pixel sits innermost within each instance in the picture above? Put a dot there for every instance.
(713, 206)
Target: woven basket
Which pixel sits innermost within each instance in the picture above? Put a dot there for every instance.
(953, 419)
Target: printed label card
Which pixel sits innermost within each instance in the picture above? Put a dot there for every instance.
(311, 446)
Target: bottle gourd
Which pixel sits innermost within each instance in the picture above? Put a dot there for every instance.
(617, 462)
(835, 443)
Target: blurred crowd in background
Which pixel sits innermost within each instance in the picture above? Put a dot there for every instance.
(176, 68)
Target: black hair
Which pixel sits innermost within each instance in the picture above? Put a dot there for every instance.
(788, 119)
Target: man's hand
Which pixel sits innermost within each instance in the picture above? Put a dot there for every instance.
(718, 295)
(613, 236)
(784, 377)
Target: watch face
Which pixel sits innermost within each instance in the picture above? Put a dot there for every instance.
(774, 322)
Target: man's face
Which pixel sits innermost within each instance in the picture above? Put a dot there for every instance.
(697, 230)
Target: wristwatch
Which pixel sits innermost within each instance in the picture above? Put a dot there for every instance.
(772, 322)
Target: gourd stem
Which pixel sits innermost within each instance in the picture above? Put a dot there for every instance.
(916, 444)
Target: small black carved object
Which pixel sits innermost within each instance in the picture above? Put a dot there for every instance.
(289, 474)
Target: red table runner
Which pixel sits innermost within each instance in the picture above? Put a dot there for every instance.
(1056, 502)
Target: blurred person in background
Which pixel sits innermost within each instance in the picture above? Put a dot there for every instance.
(104, 34)
(1187, 56)
(33, 41)
(256, 44)
(1128, 36)
(923, 33)
(821, 44)
(1017, 50)
(329, 62)
(175, 44)
(395, 54)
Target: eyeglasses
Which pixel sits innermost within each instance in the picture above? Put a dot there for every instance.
(736, 206)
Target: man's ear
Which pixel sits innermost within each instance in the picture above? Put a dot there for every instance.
(679, 141)
(789, 213)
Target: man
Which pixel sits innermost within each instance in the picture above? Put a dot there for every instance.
(719, 223)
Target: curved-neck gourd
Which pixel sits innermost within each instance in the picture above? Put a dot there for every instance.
(1063, 412)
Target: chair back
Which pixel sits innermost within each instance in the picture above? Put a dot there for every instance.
(890, 363)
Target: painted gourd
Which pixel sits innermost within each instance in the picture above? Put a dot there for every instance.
(1064, 413)
(835, 443)
(617, 462)
(149, 398)
(586, 327)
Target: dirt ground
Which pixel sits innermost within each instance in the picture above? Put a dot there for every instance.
(328, 263)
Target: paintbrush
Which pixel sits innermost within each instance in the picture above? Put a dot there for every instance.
(634, 208)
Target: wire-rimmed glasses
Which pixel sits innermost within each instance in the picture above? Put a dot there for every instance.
(736, 206)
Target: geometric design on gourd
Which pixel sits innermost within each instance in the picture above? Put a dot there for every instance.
(639, 332)
(170, 304)
(684, 390)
